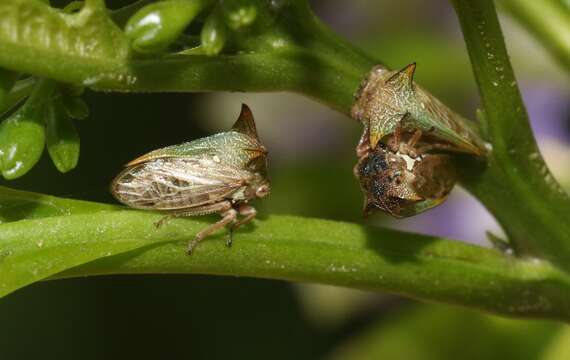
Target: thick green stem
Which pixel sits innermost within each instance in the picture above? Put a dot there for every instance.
(548, 20)
(517, 187)
(66, 233)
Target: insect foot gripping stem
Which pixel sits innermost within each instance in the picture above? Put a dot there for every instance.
(220, 174)
(405, 151)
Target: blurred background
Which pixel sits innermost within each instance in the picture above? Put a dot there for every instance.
(311, 159)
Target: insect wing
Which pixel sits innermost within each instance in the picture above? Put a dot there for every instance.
(388, 100)
(433, 117)
(177, 183)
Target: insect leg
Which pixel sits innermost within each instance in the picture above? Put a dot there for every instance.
(415, 138)
(248, 212)
(393, 142)
(363, 146)
(412, 144)
(229, 216)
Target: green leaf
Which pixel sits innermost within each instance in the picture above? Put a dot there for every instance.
(154, 27)
(214, 33)
(75, 107)
(62, 139)
(22, 134)
(21, 90)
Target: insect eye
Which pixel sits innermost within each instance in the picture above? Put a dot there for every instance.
(262, 191)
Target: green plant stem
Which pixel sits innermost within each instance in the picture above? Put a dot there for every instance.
(548, 20)
(517, 187)
(338, 253)
(83, 238)
(280, 247)
(311, 60)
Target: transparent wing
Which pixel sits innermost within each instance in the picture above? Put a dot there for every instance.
(177, 183)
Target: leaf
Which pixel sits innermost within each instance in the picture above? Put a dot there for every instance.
(22, 134)
(75, 107)
(20, 91)
(62, 139)
(154, 27)
(214, 33)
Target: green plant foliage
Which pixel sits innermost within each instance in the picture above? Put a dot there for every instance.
(62, 139)
(156, 26)
(22, 134)
(214, 34)
(75, 107)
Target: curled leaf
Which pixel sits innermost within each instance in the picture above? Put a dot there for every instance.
(156, 26)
